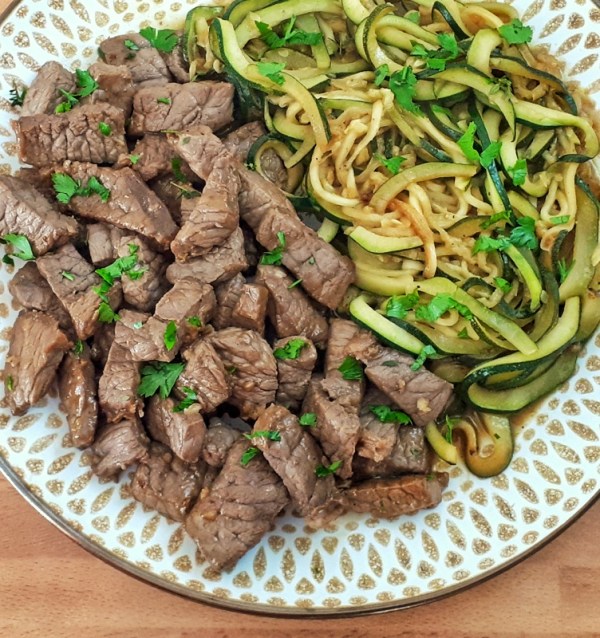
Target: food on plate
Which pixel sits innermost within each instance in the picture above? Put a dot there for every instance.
(301, 254)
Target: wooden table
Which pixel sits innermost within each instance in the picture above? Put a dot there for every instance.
(51, 587)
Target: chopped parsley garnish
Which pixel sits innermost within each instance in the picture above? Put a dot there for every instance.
(66, 188)
(190, 397)
(159, 377)
(463, 334)
(21, 247)
(438, 306)
(325, 470)
(466, 143)
(413, 16)
(516, 32)
(272, 71)
(69, 101)
(489, 154)
(137, 272)
(521, 235)
(231, 369)
(308, 419)
(390, 364)
(485, 244)
(294, 284)
(10, 383)
(518, 172)
(564, 269)
(504, 285)
(106, 314)
(290, 35)
(274, 257)
(398, 306)
(131, 45)
(164, 40)
(163, 100)
(351, 369)
(560, 219)
(105, 129)
(442, 110)
(385, 414)
(263, 434)
(119, 267)
(78, 347)
(68, 275)
(392, 164)
(291, 350)
(17, 97)
(502, 216)
(248, 455)
(176, 170)
(136, 325)
(194, 321)
(311, 261)
(381, 74)
(86, 84)
(134, 159)
(403, 85)
(426, 351)
(438, 58)
(170, 335)
(450, 424)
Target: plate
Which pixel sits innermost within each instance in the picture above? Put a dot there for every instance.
(361, 564)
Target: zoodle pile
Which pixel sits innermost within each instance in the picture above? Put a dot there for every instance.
(450, 162)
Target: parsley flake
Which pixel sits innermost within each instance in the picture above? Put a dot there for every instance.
(518, 172)
(438, 58)
(164, 40)
(381, 74)
(291, 350)
(66, 188)
(248, 455)
(504, 285)
(426, 351)
(176, 169)
(466, 143)
(86, 83)
(308, 419)
(351, 369)
(290, 35)
(170, 335)
(438, 306)
(390, 364)
(68, 275)
(274, 257)
(106, 314)
(516, 32)
(163, 100)
(385, 414)
(294, 284)
(450, 425)
(323, 471)
(78, 347)
(403, 85)
(502, 216)
(271, 435)
(159, 377)
(21, 247)
(560, 219)
(564, 269)
(16, 97)
(486, 244)
(134, 159)
(489, 154)
(194, 321)
(392, 164)
(136, 325)
(10, 383)
(190, 397)
(119, 267)
(272, 71)
(398, 306)
(105, 129)
(131, 45)
(524, 233)
(463, 334)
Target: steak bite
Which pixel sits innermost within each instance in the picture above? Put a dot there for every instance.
(44, 93)
(297, 459)
(214, 217)
(175, 61)
(218, 440)
(219, 264)
(115, 86)
(131, 206)
(376, 438)
(165, 483)
(101, 343)
(294, 374)
(36, 348)
(117, 447)
(289, 309)
(240, 141)
(77, 390)
(241, 305)
(154, 158)
(239, 507)
(78, 135)
(76, 289)
(25, 211)
(102, 242)
(393, 497)
(183, 432)
(253, 369)
(118, 386)
(181, 106)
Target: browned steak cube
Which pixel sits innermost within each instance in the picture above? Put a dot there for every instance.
(200, 148)
(376, 438)
(227, 295)
(44, 93)
(251, 308)
(238, 508)
(102, 241)
(154, 157)
(218, 440)
(239, 142)
(117, 447)
(115, 86)
(101, 343)
(37, 345)
(78, 389)
(175, 61)
(294, 374)
(118, 386)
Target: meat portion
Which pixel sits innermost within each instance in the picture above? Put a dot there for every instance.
(131, 206)
(75, 289)
(175, 61)
(117, 447)
(30, 290)
(214, 217)
(205, 374)
(239, 142)
(36, 348)
(77, 389)
(294, 374)
(219, 264)
(390, 498)
(101, 343)
(241, 305)
(200, 148)
(337, 428)
(227, 295)
(183, 432)
(167, 484)
(377, 439)
(421, 394)
(290, 311)
(253, 369)
(44, 93)
(297, 459)
(218, 440)
(89, 133)
(115, 86)
(118, 386)
(145, 63)
(179, 107)
(102, 241)
(153, 158)
(238, 508)
(25, 211)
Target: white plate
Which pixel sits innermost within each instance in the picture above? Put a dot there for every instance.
(364, 564)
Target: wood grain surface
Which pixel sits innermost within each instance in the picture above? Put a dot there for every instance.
(50, 587)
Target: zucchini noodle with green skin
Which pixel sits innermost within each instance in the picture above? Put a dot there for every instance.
(448, 159)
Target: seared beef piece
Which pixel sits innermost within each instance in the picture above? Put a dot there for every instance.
(240, 506)
(117, 447)
(214, 217)
(392, 497)
(115, 86)
(227, 295)
(376, 439)
(253, 369)
(241, 305)
(250, 247)
(102, 242)
(165, 483)
(294, 374)
(337, 428)
(77, 293)
(171, 194)
(200, 148)
(41, 180)
(101, 343)
(45, 140)
(183, 432)
(295, 457)
(44, 95)
(273, 168)
(32, 292)
(218, 440)
(146, 63)
(290, 311)
(25, 211)
(176, 63)
(118, 386)
(209, 477)
(324, 273)
(205, 374)
(349, 393)
(219, 264)
(131, 206)
(188, 105)
(77, 389)
(144, 292)
(421, 394)
(239, 142)
(36, 348)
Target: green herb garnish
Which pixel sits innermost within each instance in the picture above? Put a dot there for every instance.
(426, 351)
(21, 247)
(271, 435)
(308, 419)
(164, 40)
(403, 85)
(516, 32)
(248, 455)
(398, 306)
(325, 470)
(195, 321)
(68, 275)
(105, 129)
(272, 71)
(274, 257)
(392, 164)
(351, 369)
(170, 335)
(17, 97)
(163, 100)
(385, 414)
(518, 172)
(290, 35)
(438, 306)
(291, 350)
(189, 399)
(159, 377)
